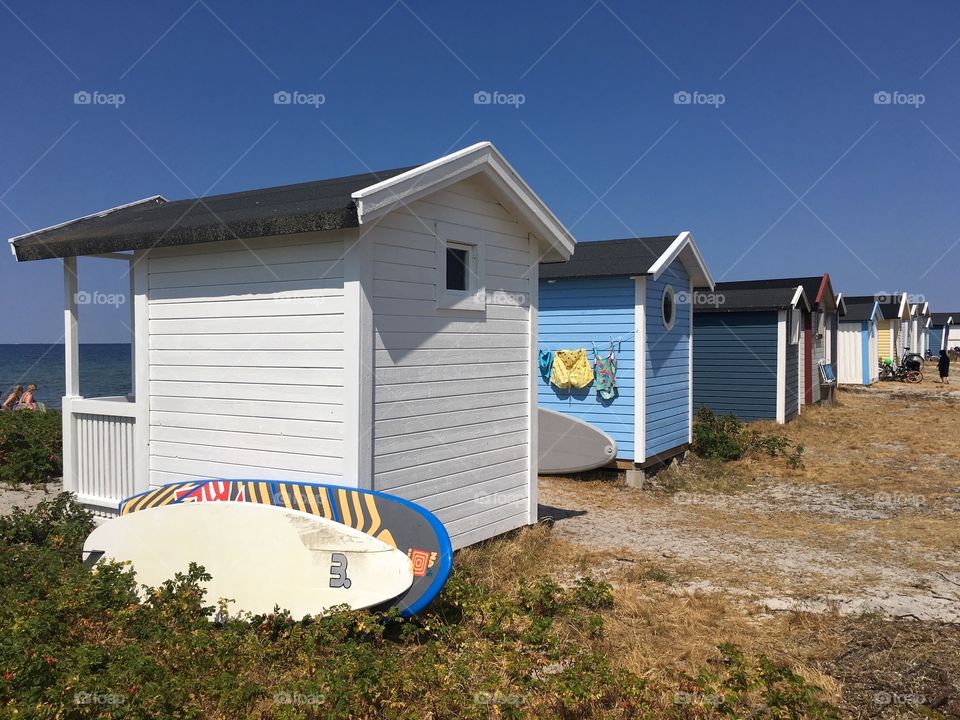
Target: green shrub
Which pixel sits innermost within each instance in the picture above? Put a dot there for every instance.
(79, 644)
(31, 446)
(726, 437)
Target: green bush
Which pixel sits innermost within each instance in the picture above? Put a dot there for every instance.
(31, 446)
(726, 437)
(79, 644)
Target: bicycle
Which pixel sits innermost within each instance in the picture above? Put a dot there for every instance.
(909, 369)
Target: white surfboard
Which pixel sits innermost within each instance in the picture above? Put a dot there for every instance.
(259, 556)
(568, 444)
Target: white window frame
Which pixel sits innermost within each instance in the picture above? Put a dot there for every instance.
(795, 319)
(474, 298)
(668, 290)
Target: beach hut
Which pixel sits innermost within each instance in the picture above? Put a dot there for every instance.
(746, 350)
(818, 334)
(857, 358)
(941, 333)
(375, 331)
(893, 329)
(633, 297)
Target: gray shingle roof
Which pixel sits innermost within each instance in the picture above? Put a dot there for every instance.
(304, 207)
(746, 295)
(859, 307)
(604, 258)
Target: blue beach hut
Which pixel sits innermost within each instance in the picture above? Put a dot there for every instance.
(747, 358)
(632, 297)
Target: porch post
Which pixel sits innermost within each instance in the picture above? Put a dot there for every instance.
(140, 350)
(71, 342)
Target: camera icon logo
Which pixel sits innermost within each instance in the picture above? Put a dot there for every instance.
(82, 97)
(282, 97)
(682, 97)
(482, 97)
(882, 97)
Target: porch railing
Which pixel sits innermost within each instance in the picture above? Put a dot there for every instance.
(100, 451)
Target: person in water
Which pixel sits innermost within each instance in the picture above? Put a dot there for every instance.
(13, 398)
(26, 400)
(944, 367)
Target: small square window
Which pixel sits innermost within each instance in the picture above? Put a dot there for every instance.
(458, 268)
(460, 265)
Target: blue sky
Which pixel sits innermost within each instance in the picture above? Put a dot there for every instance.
(782, 164)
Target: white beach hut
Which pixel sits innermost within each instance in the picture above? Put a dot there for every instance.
(375, 331)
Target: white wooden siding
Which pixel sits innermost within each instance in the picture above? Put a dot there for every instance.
(246, 359)
(452, 401)
(850, 348)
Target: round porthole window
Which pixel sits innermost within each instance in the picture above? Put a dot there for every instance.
(668, 308)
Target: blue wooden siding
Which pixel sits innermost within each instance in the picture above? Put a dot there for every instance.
(791, 405)
(574, 313)
(865, 351)
(735, 364)
(667, 410)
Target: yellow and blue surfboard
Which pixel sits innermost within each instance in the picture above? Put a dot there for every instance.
(406, 526)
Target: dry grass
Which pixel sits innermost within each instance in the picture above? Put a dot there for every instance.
(871, 516)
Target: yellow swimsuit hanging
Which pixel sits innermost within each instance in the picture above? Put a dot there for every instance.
(571, 369)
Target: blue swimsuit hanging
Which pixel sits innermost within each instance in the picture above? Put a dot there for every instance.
(546, 363)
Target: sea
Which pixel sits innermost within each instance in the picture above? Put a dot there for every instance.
(104, 370)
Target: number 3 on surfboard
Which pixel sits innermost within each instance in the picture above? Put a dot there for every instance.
(338, 571)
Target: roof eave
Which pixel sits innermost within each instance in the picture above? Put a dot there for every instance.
(685, 248)
(102, 213)
(380, 198)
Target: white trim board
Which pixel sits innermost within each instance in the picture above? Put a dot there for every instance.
(640, 370)
(382, 197)
(686, 249)
(781, 366)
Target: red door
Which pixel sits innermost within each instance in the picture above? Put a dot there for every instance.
(807, 358)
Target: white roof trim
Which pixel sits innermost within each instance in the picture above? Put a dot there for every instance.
(101, 213)
(800, 294)
(904, 306)
(876, 311)
(382, 197)
(692, 260)
(841, 303)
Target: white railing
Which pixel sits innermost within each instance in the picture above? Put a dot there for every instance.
(100, 451)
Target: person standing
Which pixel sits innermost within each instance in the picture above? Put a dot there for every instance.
(944, 367)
